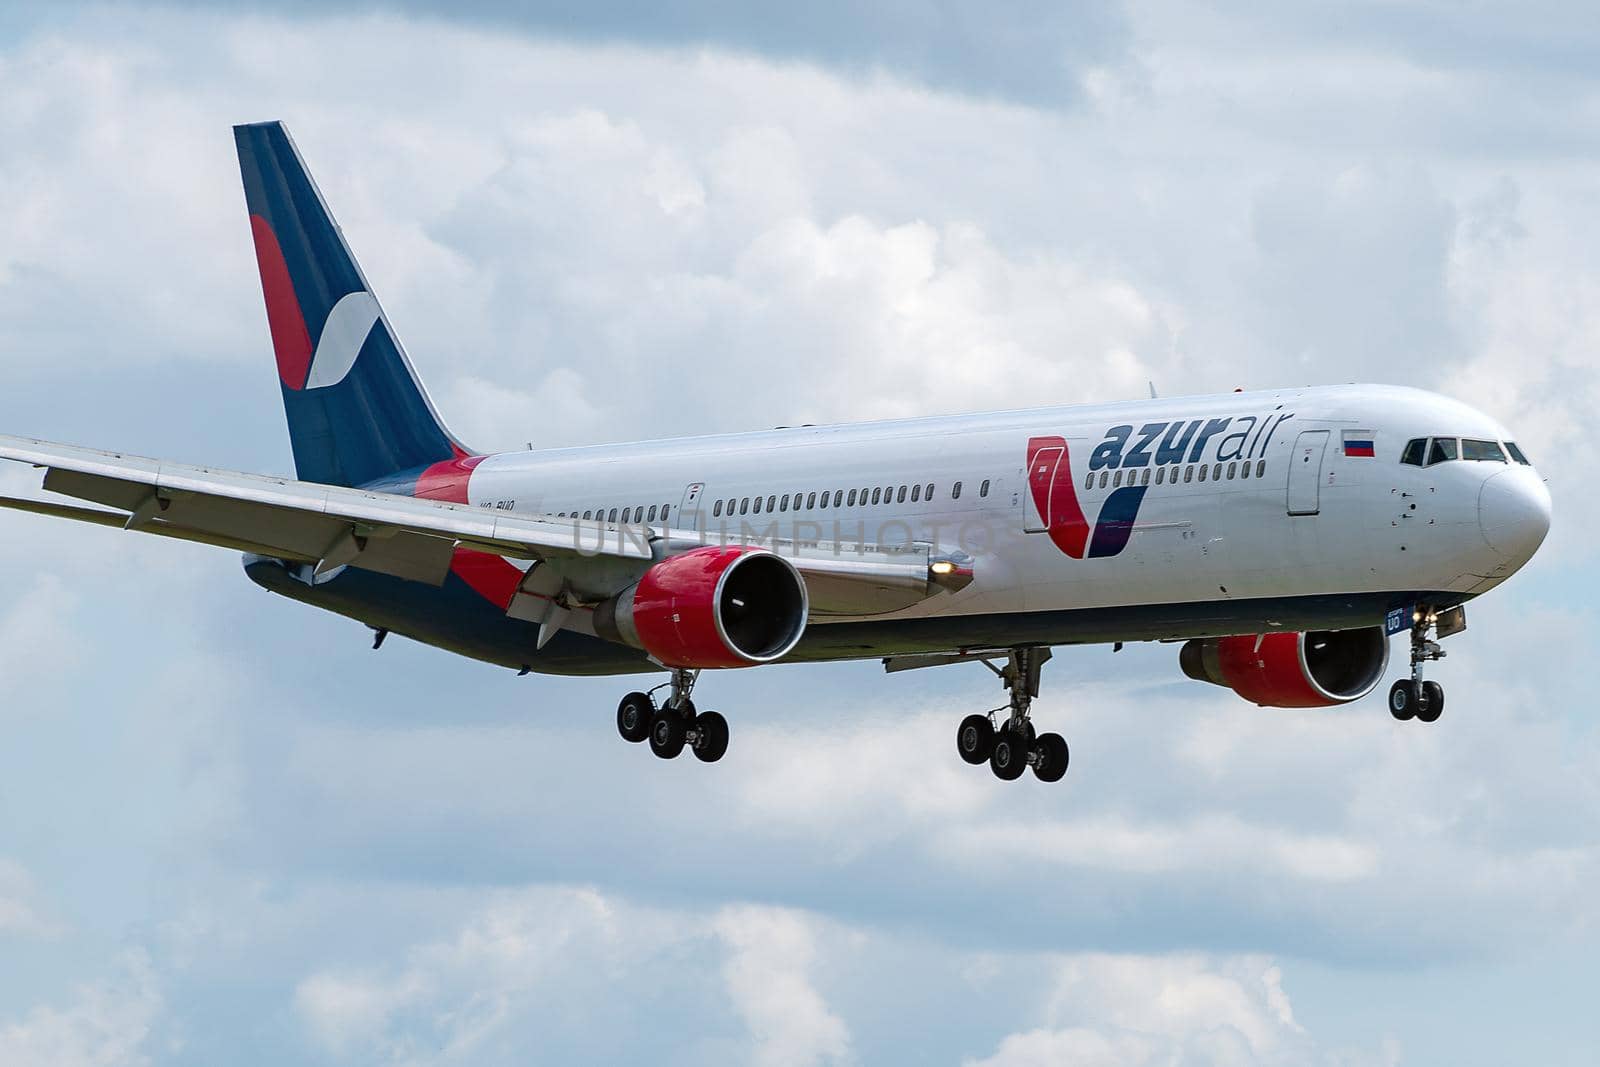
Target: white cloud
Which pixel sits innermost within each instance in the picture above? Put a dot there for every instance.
(108, 1023)
(771, 953)
(536, 956)
(1146, 1011)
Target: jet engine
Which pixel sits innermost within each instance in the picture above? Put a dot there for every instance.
(716, 606)
(1292, 670)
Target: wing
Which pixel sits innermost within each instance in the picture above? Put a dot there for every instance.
(301, 521)
(331, 526)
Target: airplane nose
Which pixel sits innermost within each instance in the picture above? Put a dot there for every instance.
(1514, 513)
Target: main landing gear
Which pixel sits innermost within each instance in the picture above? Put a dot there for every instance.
(1011, 746)
(674, 725)
(1413, 698)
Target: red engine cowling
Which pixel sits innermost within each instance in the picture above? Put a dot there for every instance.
(1292, 670)
(711, 607)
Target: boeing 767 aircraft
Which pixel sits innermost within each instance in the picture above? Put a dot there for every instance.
(1282, 536)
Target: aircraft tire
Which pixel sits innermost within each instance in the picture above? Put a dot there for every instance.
(1403, 699)
(1431, 706)
(712, 739)
(1053, 758)
(975, 739)
(633, 717)
(1010, 756)
(668, 732)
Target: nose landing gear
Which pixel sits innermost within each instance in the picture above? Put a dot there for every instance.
(675, 725)
(1013, 747)
(1414, 698)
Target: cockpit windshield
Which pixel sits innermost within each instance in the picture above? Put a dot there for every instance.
(1426, 451)
(1482, 450)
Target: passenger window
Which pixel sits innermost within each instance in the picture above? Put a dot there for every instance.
(1188, 473)
(929, 491)
(1161, 475)
(588, 514)
(716, 510)
(1261, 468)
(771, 500)
(1216, 472)
(1244, 469)
(613, 517)
(1202, 472)
(1516, 454)
(652, 517)
(783, 504)
(1415, 449)
(852, 500)
(1105, 478)
(955, 491)
(664, 509)
(983, 490)
(877, 495)
(1088, 480)
(1488, 451)
(1233, 470)
(811, 501)
(1443, 450)
(916, 493)
(900, 497)
(838, 495)
(756, 507)
(744, 505)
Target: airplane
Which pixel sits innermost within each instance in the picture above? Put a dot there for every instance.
(1281, 536)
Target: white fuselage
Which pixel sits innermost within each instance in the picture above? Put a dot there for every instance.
(1365, 524)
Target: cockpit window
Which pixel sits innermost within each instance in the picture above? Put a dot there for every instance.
(1444, 448)
(1482, 450)
(1416, 448)
(1516, 454)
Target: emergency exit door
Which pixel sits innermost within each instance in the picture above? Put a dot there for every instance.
(1305, 472)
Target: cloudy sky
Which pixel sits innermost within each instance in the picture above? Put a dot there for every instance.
(229, 832)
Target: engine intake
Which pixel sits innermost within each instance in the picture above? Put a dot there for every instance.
(711, 607)
(1316, 669)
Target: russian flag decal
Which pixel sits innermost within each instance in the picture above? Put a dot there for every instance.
(1358, 443)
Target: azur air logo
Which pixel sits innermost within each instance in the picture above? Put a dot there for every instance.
(1055, 492)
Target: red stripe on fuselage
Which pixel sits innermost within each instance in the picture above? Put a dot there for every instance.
(492, 577)
(291, 341)
(1056, 495)
(447, 481)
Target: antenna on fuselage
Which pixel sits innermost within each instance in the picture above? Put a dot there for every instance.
(1152, 390)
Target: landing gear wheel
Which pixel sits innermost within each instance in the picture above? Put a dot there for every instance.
(1010, 756)
(684, 708)
(711, 736)
(1431, 706)
(668, 731)
(1052, 756)
(633, 717)
(975, 739)
(1404, 697)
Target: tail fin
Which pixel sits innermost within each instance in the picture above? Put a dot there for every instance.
(357, 412)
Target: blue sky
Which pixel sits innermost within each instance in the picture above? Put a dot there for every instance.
(230, 832)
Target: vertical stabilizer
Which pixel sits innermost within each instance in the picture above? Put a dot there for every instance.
(357, 412)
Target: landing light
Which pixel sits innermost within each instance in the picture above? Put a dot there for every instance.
(943, 567)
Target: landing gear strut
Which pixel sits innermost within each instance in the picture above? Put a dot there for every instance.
(1414, 698)
(674, 725)
(1009, 745)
